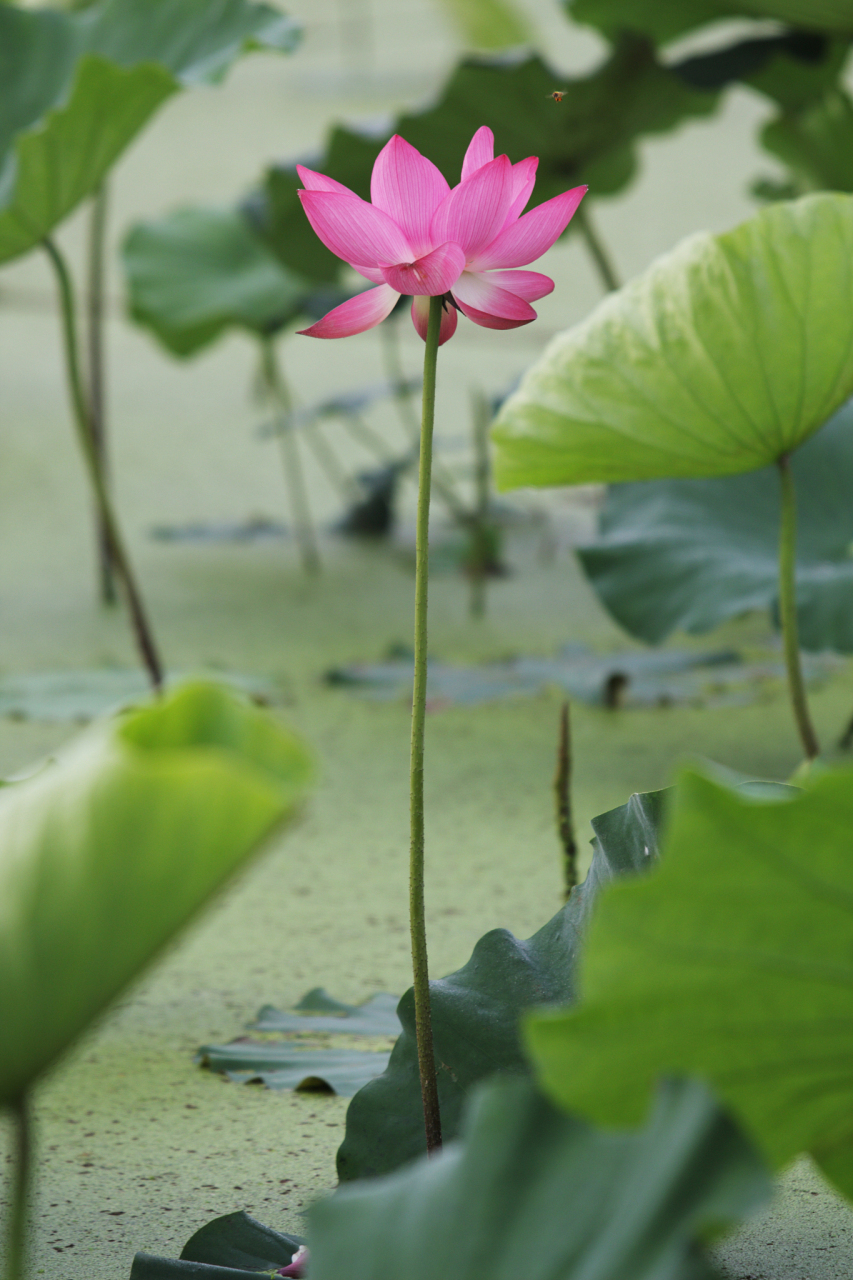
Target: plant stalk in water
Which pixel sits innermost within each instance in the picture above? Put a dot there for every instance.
(95, 345)
(420, 967)
(19, 1200)
(83, 424)
(278, 392)
(597, 250)
(788, 610)
(563, 802)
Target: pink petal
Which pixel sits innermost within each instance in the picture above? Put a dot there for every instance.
(523, 179)
(528, 285)
(492, 322)
(420, 319)
(481, 149)
(364, 311)
(480, 293)
(354, 230)
(370, 273)
(527, 239)
(312, 181)
(431, 275)
(409, 188)
(475, 211)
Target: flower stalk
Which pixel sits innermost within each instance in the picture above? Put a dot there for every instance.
(21, 1176)
(788, 610)
(420, 967)
(95, 344)
(278, 392)
(141, 628)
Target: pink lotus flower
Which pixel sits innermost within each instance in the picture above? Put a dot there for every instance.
(421, 238)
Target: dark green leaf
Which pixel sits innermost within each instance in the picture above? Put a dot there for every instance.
(476, 1011)
(77, 88)
(732, 961)
(531, 1193)
(666, 19)
(689, 554)
(318, 1012)
(198, 272)
(792, 78)
(816, 142)
(725, 354)
(233, 1247)
(107, 852)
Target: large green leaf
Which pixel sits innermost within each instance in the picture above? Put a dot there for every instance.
(724, 355)
(77, 88)
(590, 137)
(197, 272)
(530, 1192)
(688, 554)
(665, 19)
(106, 853)
(476, 1011)
(733, 962)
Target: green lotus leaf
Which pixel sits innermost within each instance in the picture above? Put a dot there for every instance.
(530, 1192)
(106, 853)
(198, 272)
(77, 88)
(689, 554)
(725, 355)
(816, 142)
(666, 19)
(233, 1247)
(477, 1010)
(732, 961)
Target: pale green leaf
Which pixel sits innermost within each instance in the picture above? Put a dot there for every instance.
(724, 355)
(732, 960)
(107, 852)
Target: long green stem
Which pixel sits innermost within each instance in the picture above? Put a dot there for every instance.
(788, 610)
(18, 1208)
(481, 549)
(279, 393)
(95, 344)
(597, 251)
(420, 967)
(141, 628)
(563, 802)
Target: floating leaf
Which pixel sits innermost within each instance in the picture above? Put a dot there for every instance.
(57, 696)
(287, 1066)
(689, 554)
(317, 1011)
(724, 355)
(476, 1011)
(732, 962)
(198, 272)
(232, 1247)
(77, 88)
(530, 1192)
(106, 853)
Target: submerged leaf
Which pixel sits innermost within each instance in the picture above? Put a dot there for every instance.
(689, 554)
(529, 1192)
(317, 1011)
(287, 1066)
(476, 1011)
(733, 962)
(106, 853)
(726, 354)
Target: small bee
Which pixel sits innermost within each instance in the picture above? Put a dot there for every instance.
(558, 94)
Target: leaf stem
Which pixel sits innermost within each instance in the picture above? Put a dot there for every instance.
(83, 424)
(563, 801)
(597, 249)
(21, 1173)
(788, 609)
(279, 392)
(480, 540)
(420, 968)
(95, 344)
